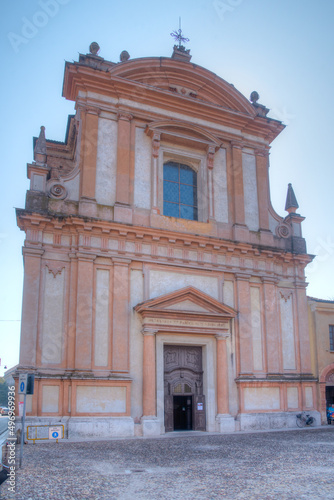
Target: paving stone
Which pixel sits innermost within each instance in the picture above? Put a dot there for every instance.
(289, 465)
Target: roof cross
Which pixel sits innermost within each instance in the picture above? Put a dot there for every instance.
(177, 35)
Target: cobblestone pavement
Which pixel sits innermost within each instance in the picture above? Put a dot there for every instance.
(287, 465)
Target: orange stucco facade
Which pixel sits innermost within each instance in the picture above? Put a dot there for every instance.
(116, 290)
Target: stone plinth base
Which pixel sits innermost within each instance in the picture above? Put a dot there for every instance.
(280, 420)
(240, 232)
(225, 423)
(90, 427)
(150, 426)
(123, 213)
(87, 207)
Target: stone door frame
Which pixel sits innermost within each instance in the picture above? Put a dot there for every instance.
(208, 344)
(184, 372)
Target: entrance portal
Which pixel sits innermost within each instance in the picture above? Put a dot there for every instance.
(183, 381)
(182, 412)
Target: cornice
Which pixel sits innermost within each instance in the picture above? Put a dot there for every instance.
(124, 243)
(88, 80)
(77, 224)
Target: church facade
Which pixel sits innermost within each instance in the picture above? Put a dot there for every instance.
(162, 292)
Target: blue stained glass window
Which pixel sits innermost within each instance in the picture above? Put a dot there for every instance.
(171, 171)
(188, 195)
(171, 191)
(187, 175)
(187, 212)
(171, 209)
(180, 191)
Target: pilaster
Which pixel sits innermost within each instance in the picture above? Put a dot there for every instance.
(84, 312)
(120, 335)
(271, 313)
(240, 230)
(149, 373)
(31, 290)
(88, 154)
(122, 210)
(245, 331)
(261, 156)
(303, 329)
(71, 325)
(210, 163)
(222, 375)
(155, 176)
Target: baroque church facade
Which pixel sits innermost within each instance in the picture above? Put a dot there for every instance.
(162, 291)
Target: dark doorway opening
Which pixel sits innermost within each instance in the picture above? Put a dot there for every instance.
(182, 412)
(330, 404)
(330, 395)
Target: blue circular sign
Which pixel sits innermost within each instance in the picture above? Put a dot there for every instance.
(22, 386)
(55, 434)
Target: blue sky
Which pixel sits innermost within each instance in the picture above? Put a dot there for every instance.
(281, 48)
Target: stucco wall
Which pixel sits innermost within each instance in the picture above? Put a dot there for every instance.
(162, 282)
(102, 315)
(142, 187)
(105, 191)
(220, 186)
(52, 318)
(250, 191)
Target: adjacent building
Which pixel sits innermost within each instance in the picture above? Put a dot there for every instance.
(321, 321)
(161, 289)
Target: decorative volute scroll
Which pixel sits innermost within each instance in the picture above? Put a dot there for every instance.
(56, 189)
(186, 311)
(283, 230)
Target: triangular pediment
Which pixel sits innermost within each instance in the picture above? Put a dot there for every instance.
(188, 300)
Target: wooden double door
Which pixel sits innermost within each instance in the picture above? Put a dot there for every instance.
(183, 386)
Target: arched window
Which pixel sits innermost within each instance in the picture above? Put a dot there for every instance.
(180, 191)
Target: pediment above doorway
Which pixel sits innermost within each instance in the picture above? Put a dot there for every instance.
(188, 310)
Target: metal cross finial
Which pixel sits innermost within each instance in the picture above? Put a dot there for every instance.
(177, 35)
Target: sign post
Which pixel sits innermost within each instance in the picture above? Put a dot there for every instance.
(26, 386)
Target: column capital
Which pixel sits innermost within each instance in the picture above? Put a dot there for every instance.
(124, 115)
(222, 335)
(299, 284)
(261, 152)
(121, 262)
(149, 331)
(237, 144)
(32, 252)
(92, 110)
(269, 280)
(88, 108)
(242, 277)
(88, 257)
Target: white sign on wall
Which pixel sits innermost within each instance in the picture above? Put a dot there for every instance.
(55, 432)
